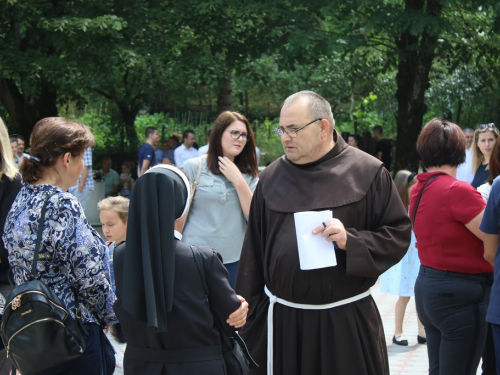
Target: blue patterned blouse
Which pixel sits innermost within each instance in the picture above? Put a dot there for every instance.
(72, 255)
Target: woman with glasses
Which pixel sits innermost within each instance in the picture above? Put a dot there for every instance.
(228, 176)
(485, 138)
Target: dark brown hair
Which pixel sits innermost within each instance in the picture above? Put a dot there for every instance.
(494, 163)
(246, 161)
(441, 142)
(50, 139)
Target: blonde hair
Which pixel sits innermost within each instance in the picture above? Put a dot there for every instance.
(402, 184)
(7, 166)
(477, 155)
(116, 204)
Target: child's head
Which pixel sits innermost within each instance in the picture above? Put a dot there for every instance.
(404, 181)
(113, 216)
(126, 167)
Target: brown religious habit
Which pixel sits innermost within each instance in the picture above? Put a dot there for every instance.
(343, 340)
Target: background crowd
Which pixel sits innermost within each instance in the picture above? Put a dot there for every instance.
(448, 265)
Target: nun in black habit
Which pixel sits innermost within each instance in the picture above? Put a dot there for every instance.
(161, 303)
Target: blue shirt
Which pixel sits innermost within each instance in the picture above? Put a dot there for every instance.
(87, 162)
(160, 155)
(72, 257)
(490, 224)
(147, 152)
(170, 155)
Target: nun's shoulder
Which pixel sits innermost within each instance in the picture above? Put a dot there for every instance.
(207, 253)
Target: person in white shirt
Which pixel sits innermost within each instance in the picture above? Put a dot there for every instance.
(464, 170)
(186, 150)
(20, 154)
(204, 149)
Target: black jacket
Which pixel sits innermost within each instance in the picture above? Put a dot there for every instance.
(192, 344)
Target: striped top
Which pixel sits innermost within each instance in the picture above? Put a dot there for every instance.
(215, 218)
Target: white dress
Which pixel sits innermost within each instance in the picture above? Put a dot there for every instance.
(400, 278)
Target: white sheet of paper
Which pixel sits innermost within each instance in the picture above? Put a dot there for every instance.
(314, 250)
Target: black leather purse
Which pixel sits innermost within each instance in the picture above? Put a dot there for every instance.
(37, 330)
(234, 350)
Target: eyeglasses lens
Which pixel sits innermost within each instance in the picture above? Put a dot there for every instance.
(235, 134)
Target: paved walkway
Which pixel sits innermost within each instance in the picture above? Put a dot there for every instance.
(408, 360)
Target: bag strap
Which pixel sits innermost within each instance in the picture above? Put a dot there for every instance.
(39, 236)
(41, 222)
(419, 197)
(201, 269)
(193, 188)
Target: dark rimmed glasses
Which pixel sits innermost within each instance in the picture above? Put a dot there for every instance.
(486, 126)
(235, 134)
(292, 133)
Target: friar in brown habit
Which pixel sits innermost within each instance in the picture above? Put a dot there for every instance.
(337, 329)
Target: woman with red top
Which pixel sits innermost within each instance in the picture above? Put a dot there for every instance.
(454, 282)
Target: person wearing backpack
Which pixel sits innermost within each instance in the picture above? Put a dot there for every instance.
(72, 259)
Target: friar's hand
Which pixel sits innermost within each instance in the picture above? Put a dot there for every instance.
(238, 318)
(334, 231)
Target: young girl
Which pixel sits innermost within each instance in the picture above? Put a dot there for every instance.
(400, 279)
(113, 216)
(126, 180)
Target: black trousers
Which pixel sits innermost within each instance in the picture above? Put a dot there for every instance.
(90, 362)
(452, 307)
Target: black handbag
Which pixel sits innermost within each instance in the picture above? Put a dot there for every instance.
(37, 330)
(234, 350)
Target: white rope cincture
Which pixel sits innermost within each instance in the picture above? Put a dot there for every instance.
(270, 315)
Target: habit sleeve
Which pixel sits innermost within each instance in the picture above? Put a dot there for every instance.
(372, 251)
(250, 280)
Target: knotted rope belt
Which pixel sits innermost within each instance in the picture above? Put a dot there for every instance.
(270, 314)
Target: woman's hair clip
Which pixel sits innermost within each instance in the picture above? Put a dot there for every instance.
(411, 176)
(34, 158)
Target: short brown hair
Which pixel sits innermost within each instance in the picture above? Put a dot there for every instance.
(246, 161)
(50, 139)
(441, 142)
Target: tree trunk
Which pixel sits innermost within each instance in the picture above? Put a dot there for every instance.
(224, 96)
(416, 55)
(23, 113)
(128, 117)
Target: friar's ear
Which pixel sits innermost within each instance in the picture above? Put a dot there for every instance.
(326, 128)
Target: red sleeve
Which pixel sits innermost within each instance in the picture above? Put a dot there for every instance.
(466, 202)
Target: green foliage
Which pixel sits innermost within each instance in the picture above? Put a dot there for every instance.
(164, 61)
(269, 144)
